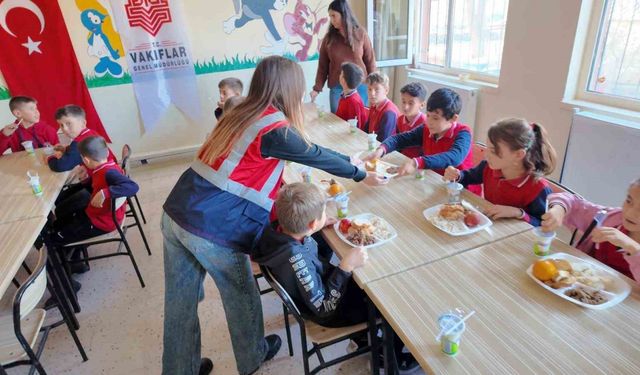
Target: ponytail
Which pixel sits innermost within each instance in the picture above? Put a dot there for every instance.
(518, 134)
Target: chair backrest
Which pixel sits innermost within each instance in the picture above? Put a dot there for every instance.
(126, 154)
(31, 291)
(479, 149)
(557, 187)
(281, 292)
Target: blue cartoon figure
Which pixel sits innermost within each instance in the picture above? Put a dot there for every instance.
(99, 45)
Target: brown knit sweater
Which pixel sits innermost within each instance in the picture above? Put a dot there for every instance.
(333, 54)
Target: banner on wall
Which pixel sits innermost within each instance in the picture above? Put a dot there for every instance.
(159, 57)
(38, 59)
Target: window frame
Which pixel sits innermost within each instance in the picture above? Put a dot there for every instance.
(579, 84)
(408, 60)
(447, 69)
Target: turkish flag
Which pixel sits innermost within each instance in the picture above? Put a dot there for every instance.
(38, 60)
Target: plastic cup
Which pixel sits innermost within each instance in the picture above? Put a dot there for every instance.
(421, 174)
(48, 149)
(454, 189)
(34, 181)
(342, 205)
(450, 343)
(306, 174)
(28, 147)
(372, 141)
(543, 241)
(353, 125)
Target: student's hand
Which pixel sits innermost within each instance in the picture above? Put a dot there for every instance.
(451, 174)
(407, 168)
(9, 129)
(497, 211)
(220, 104)
(377, 154)
(330, 221)
(59, 147)
(98, 199)
(354, 258)
(313, 94)
(373, 179)
(553, 219)
(81, 173)
(617, 238)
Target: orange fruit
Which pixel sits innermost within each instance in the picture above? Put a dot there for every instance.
(544, 270)
(335, 188)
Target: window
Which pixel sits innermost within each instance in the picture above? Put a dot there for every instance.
(611, 65)
(462, 36)
(390, 22)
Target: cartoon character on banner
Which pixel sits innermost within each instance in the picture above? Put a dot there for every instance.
(303, 27)
(249, 10)
(104, 42)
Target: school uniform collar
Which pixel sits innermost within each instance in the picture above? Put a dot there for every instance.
(348, 94)
(103, 166)
(378, 107)
(517, 182)
(85, 131)
(448, 134)
(415, 120)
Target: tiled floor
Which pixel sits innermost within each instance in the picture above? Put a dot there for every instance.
(121, 323)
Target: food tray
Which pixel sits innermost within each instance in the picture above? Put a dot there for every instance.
(432, 212)
(367, 217)
(616, 291)
(381, 166)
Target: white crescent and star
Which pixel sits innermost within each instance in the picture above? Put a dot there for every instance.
(7, 5)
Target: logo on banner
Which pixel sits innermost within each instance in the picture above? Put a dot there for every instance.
(150, 15)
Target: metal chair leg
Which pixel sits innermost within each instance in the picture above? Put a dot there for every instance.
(140, 208)
(287, 328)
(133, 261)
(135, 217)
(65, 280)
(67, 321)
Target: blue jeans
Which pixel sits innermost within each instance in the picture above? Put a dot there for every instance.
(334, 96)
(187, 258)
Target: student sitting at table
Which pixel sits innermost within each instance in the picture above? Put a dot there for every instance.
(107, 181)
(228, 87)
(616, 242)
(350, 105)
(299, 258)
(518, 155)
(383, 114)
(73, 122)
(439, 137)
(26, 127)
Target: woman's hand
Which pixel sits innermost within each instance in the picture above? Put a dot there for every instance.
(377, 154)
(373, 179)
(616, 238)
(451, 174)
(497, 211)
(313, 94)
(407, 168)
(553, 219)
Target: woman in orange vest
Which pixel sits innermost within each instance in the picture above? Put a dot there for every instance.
(219, 207)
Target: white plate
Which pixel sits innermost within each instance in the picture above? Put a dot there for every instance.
(484, 222)
(616, 291)
(381, 166)
(365, 217)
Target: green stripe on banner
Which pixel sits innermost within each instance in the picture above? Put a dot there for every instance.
(212, 66)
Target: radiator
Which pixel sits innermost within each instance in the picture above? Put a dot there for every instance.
(602, 158)
(468, 94)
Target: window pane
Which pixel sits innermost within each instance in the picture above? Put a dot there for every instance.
(433, 49)
(616, 66)
(391, 29)
(478, 35)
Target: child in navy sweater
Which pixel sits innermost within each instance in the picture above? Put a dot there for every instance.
(518, 155)
(350, 105)
(299, 258)
(107, 181)
(383, 114)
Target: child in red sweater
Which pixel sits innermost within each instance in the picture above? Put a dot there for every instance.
(26, 127)
(383, 114)
(350, 105)
(414, 101)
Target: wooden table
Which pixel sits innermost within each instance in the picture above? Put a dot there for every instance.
(401, 203)
(18, 201)
(17, 240)
(519, 327)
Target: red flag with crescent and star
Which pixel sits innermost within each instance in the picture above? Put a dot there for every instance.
(38, 59)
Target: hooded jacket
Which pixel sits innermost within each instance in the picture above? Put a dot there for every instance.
(316, 286)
